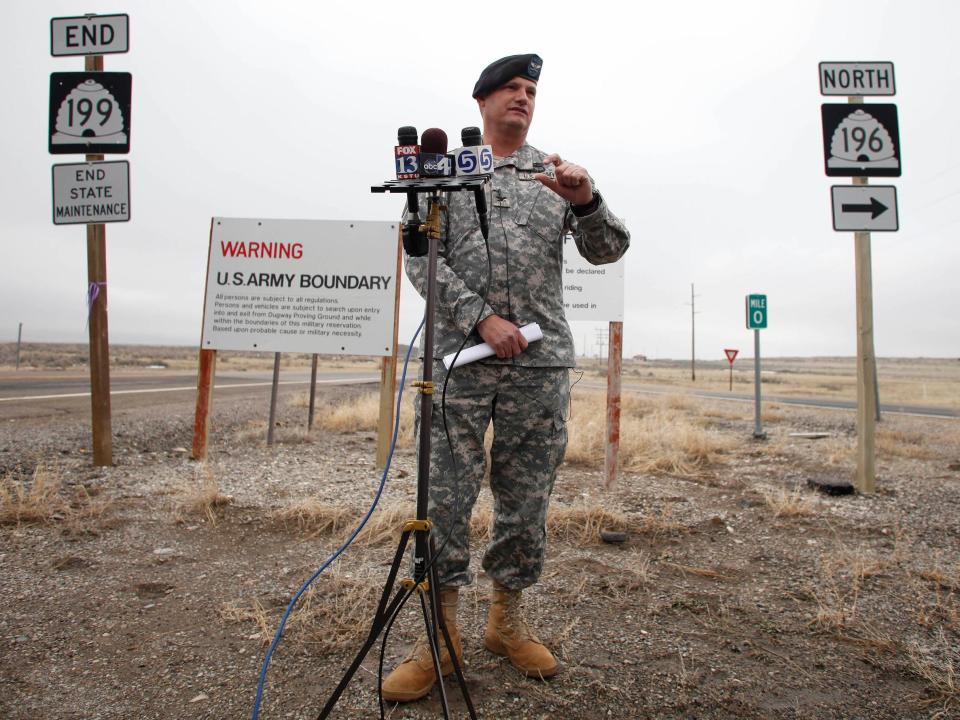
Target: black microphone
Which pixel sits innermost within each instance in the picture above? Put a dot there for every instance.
(407, 153)
(408, 168)
(471, 137)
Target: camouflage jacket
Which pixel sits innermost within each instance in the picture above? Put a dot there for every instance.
(527, 225)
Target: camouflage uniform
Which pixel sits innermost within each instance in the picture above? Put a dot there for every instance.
(526, 396)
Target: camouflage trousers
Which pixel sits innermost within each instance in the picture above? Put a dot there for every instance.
(528, 407)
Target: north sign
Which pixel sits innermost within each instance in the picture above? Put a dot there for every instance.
(89, 35)
(864, 208)
(861, 140)
(857, 78)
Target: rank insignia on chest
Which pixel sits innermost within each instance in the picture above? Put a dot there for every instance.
(500, 200)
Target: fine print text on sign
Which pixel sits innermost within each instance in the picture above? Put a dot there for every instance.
(89, 35)
(89, 112)
(314, 286)
(857, 78)
(865, 208)
(97, 192)
(861, 140)
(756, 312)
(591, 292)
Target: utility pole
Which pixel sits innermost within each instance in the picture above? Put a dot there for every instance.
(19, 335)
(693, 335)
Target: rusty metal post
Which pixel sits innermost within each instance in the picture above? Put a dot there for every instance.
(274, 391)
(313, 391)
(206, 370)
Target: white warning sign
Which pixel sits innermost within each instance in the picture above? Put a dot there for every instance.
(591, 292)
(314, 286)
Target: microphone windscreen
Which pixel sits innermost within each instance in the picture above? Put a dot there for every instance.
(434, 140)
(407, 135)
(471, 136)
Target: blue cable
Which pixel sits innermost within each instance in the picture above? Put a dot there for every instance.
(346, 544)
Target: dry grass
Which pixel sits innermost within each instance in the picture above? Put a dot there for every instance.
(43, 499)
(789, 503)
(902, 443)
(314, 516)
(37, 500)
(333, 614)
(937, 664)
(201, 496)
(658, 435)
(362, 414)
(579, 525)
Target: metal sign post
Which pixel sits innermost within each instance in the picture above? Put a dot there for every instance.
(756, 306)
(731, 354)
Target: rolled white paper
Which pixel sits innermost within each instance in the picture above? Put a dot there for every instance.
(531, 332)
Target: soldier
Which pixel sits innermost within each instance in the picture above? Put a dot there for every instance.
(525, 389)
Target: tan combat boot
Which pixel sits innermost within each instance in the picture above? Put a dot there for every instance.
(508, 635)
(413, 678)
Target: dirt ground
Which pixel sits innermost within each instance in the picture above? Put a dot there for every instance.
(151, 589)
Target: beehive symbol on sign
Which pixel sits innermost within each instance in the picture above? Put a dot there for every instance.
(860, 140)
(89, 112)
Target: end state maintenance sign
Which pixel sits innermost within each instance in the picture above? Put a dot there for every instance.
(91, 192)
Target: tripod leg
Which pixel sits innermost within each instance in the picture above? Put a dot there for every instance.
(448, 641)
(430, 620)
(380, 618)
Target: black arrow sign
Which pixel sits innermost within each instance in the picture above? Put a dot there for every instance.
(875, 208)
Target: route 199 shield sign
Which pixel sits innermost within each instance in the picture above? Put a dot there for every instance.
(89, 112)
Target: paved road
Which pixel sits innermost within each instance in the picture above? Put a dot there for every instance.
(825, 403)
(49, 393)
(45, 394)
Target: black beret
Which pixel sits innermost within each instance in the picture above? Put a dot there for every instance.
(505, 69)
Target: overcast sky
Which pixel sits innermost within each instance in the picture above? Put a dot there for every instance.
(700, 122)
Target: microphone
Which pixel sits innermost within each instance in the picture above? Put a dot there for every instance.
(434, 161)
(407, 154)
(475, 152)
(474, 158)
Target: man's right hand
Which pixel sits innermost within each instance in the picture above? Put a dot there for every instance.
(503, 336)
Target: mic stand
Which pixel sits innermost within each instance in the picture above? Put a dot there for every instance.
(425, 580)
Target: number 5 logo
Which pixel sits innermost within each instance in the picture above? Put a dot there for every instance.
(466, 162)
(486, 160)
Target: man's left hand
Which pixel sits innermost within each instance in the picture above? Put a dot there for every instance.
(572, 183)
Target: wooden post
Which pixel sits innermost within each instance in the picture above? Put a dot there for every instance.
(867, 390)
(97, 322)
(866, 367)
(206, 370)
(19, 335)
(388, 372)
(614, 371)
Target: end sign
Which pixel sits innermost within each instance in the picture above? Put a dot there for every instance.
(756, 312)
(89, 35)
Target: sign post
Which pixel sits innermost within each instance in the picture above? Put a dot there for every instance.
(731, 354)
(756, 306)
(90, 113)
(862, 141)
